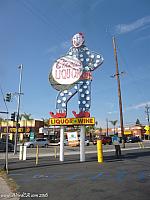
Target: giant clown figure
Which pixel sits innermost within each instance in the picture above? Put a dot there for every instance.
(72, 74)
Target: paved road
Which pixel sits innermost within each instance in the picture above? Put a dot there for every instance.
(31, 152)
(126, 179)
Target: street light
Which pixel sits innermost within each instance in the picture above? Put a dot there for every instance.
(18, 108)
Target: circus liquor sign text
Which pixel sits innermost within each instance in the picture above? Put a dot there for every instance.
(71, 121)
(67, 70)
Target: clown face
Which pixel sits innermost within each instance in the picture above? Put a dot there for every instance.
(78, 40)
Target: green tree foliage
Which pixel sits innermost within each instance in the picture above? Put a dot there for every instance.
(137, 122)
(114, 124)
(26, 116)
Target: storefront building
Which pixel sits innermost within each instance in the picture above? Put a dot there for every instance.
(26, 128)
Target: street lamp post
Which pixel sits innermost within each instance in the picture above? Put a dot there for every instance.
(18, 108)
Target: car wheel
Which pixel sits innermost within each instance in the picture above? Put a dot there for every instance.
(31, 146)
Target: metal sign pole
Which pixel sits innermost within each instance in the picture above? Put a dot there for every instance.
(18, 108)
(6, 153)
(61, 158)
(82, 144)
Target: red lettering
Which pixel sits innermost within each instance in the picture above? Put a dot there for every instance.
(57, 121)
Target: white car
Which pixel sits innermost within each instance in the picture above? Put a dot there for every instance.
(65, 143)
(87, 142)
(41, 142)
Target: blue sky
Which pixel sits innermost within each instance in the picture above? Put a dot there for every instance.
(35, 33)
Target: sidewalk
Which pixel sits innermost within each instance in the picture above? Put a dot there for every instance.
(5, 191)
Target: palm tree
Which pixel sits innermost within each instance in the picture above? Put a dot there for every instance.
(46, 122)
(89, 131)
(114, 124)
(26, 117)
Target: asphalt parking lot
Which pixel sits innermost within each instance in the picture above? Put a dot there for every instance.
(127, 178)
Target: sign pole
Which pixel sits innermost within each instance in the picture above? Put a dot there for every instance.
(61, 158)
(82, 144)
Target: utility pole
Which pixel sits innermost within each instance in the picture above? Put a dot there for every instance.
(106, 126)
(147, 108)
(18, 108)
(117, 75)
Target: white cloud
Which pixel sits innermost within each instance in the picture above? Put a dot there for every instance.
(138, 24)
(143, 38)
(138, 106)
(95, 4)
(64, 45)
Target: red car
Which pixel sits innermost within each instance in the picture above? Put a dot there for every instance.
(105, 140)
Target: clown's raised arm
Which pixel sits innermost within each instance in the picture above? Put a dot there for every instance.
(90, 60)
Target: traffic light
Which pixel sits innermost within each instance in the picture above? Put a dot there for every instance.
(8, 97)
(13, 116)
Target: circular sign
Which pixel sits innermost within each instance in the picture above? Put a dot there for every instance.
(67, 70)
(58, 86)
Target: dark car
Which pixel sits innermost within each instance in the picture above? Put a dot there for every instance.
(3, 145)
(105, 140)
(133, 139)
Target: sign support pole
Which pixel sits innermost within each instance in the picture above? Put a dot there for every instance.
(61, 158)
(82, 144)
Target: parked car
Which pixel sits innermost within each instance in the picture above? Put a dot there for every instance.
(87, 142)
(105, 140)
(3, 145)
(133, 139)
(41, 142)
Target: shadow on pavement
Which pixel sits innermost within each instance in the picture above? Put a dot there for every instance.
(15, 164)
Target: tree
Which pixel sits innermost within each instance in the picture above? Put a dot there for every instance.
(96, 123)
(114, 124)
(89, 130)
(26, 116)
(137, 122)
(46, 122)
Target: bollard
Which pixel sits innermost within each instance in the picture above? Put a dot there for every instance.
(99, 151)
(55, 152)
(24, 152)
(21, 153)
(37, 154)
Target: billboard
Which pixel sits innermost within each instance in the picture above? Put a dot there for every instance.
(71, 75)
